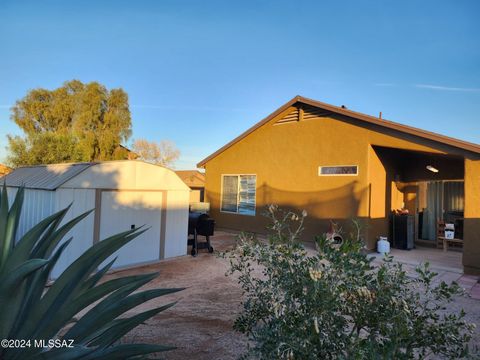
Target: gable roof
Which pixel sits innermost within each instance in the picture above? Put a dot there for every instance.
(44, 177)
(192, 178)
(465, 145)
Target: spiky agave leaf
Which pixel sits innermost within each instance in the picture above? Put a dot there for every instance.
(29, 311)
(9, 224)
(120, 327)
(25, 245)
(10, 287)
(24, 249)
(35, 287)
(109, 309)
(66, 286)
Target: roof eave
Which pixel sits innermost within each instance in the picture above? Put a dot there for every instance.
(461, 144)
(464, 145)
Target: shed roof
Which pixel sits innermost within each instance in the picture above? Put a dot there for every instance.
(114, 174)
(44, 177)
(405, 129)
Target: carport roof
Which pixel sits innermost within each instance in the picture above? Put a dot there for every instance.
(44, 177)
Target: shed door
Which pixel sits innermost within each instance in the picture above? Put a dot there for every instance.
(123, 210)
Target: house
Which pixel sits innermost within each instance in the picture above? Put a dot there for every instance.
(195, 180)
(124, 194)
(123, 153)
(339, 164)
(4, 170)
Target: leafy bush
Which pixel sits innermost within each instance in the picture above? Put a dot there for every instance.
(31, 313)
(332, 303)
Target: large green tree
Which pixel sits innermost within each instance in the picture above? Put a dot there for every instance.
(76, 122)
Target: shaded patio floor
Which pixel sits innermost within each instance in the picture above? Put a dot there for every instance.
(450, 260)
(448, 266)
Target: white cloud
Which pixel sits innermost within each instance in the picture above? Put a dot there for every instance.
(446, 88)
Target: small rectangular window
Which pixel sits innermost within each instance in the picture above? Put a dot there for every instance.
(342, 170)
(238, 194)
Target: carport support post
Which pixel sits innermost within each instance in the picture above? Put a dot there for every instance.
(471, 250)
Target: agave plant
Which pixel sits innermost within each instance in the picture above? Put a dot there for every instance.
(39, 321)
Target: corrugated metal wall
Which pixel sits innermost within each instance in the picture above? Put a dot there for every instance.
(37, 205)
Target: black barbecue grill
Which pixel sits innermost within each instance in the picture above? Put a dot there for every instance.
(200, 224)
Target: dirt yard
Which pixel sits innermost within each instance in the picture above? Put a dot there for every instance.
(200, 324)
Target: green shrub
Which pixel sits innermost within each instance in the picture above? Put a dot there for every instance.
(332, 303)
(31, 313)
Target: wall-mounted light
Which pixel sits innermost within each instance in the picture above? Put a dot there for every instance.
(432, 169)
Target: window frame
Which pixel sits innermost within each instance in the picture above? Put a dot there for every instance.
(238, 195)
(339, 166)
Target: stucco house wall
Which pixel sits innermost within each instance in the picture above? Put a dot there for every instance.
(285, 156)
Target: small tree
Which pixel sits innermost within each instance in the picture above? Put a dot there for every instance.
(163, 153)
(333, 304)
(43, 148)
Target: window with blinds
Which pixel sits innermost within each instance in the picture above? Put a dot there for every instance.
(238, 194)
(343, 170)
(230, 194)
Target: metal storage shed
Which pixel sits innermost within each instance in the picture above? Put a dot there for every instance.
(124, 194)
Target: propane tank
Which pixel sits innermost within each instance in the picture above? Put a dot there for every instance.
(383, 246)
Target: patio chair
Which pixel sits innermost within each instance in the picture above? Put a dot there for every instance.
(442, 241)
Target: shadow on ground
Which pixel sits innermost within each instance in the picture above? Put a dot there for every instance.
(200, 324)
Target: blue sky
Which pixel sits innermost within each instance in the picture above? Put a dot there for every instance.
(201, 72)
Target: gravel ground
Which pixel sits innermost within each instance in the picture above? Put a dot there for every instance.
(200, 324)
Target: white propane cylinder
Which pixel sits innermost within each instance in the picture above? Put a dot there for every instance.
(383, 246)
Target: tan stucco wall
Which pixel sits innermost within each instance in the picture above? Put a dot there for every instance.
(286, 158)
(196, 195)
(471, 232)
